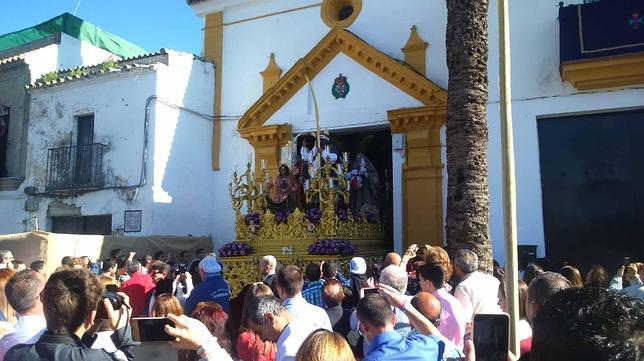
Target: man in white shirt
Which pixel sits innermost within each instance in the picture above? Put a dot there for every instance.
(269, 318)
(267, 265)
(23, 293)
(289, 287)
(397, 278)
(478, 292)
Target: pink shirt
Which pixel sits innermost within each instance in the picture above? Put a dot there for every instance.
(452, 325)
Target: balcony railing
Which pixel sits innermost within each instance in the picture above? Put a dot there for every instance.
(75, 168)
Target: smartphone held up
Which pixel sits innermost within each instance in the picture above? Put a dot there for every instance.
(147, 329)
(491, 336)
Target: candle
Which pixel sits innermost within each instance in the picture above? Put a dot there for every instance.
(345, 157)
(330, 182)
(263, 164)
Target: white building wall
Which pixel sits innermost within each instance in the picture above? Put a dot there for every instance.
(118, 104)
(42, 61)
(182, 180)
(74, 52)
(537, 87)
(178, 197)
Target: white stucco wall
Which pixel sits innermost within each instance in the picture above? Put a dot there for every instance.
(182, 177)
(74, 52)
(537, 87)
(177, 197)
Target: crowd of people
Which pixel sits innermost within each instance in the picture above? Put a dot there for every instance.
(418, 306)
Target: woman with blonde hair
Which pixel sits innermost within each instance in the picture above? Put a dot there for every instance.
(324, 345)
(439, 256)
(166, 303)
(7, 315)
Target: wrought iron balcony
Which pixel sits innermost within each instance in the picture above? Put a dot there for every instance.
(601, 44)
(75, 169)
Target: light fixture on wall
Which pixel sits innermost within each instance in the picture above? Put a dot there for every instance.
(340, 13)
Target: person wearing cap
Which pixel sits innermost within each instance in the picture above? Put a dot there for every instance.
(358, 271)
(214, 287)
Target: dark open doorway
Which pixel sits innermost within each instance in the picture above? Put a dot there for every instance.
(375, 144)
(592, 172)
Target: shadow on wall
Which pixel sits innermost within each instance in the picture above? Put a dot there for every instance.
(188, 176)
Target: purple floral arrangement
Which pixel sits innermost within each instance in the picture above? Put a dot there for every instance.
(313, 215)
(332, 247)
(232, 249)
(251, 216)
(282, 216)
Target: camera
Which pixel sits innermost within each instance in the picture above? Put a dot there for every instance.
(115, 300)
(180, 269)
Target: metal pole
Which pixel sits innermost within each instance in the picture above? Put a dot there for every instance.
(318, 156)
(509, 191)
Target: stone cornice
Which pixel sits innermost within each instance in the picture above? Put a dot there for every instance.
(415, 118)
(276, 134)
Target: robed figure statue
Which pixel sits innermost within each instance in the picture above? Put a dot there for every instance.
(364, 185)
(283, 188)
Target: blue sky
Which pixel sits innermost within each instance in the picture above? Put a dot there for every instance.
(150, 24)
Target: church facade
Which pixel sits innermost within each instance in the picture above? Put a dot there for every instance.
(371, 76)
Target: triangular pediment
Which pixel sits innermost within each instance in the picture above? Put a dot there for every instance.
(338, 41)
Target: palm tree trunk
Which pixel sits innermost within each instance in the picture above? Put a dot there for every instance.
(467, 188)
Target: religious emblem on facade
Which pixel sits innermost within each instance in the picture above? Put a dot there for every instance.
(636, 21)
(340, 87)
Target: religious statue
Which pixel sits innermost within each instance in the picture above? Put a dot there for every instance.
(364, 185)
(300, 173)
(252, 229)
(283, 188)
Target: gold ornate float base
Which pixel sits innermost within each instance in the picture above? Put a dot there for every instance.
(242, 271)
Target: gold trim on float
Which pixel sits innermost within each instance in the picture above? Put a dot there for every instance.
(603, 73)
(338, 41)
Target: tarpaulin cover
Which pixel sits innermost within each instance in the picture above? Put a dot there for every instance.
(600, 29)
(75, 27)
(52, 247)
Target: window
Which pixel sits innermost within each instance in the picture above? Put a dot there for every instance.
(83, 225)
(4, 137)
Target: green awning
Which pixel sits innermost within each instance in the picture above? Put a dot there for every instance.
(75, 27)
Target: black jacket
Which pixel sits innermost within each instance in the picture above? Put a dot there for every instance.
(53, 347)
(340, 319)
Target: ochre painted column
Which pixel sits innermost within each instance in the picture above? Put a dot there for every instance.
(422, 190)
(213, 49)
(268, 141)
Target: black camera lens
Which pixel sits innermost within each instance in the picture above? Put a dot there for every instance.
(115, 300)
